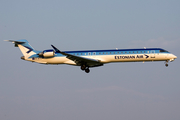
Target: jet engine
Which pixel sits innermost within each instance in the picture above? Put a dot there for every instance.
(47, 53)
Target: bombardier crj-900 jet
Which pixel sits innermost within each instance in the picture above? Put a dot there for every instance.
(91, 58)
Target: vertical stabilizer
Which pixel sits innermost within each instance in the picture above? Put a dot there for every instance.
(26, 49)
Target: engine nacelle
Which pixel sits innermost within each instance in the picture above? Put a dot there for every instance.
(47, 53)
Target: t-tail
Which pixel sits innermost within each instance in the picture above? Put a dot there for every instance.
(26, 49)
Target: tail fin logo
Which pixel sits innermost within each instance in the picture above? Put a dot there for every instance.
(30, 49)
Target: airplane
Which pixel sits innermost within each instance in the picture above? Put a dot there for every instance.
(91, 58)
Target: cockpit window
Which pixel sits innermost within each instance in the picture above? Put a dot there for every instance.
(163, 51)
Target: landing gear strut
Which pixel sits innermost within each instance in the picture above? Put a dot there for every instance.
(85, 68)
(166, 63)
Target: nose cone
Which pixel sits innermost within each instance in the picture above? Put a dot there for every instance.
(174, 56)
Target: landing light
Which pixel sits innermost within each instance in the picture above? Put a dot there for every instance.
(171, 60)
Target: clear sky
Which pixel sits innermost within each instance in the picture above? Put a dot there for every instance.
(126, 91)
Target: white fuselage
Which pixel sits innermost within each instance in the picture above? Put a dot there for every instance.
(109, 58)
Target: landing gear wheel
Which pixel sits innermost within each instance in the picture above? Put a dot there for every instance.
(87, 70)
(83, 67)
(166, 65)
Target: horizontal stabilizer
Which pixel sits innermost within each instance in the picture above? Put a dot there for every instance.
(16, 42)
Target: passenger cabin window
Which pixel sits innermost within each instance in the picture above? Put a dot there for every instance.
(89, 53)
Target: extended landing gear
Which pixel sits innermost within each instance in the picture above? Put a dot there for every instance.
(166, 64)
(85, 68)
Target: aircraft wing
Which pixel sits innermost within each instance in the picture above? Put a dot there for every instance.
(80, 60)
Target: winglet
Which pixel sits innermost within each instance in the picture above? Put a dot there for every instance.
(56, 49)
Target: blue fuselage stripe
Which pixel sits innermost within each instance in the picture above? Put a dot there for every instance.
(114, 52)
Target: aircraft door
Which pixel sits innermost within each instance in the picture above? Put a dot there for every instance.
(166, 56)
(94, 55)
(152, 53)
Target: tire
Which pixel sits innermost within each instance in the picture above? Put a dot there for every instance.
(87, 70)
(83, 67)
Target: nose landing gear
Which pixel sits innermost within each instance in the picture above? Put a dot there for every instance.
(166, 63)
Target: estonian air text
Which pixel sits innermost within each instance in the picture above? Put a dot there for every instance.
(129, 57)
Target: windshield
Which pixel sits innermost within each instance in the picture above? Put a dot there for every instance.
(163, 51)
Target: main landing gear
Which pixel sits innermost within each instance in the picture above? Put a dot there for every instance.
(166, 63)
(85, 68)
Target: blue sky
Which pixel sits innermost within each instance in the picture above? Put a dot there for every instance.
(115, 91)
